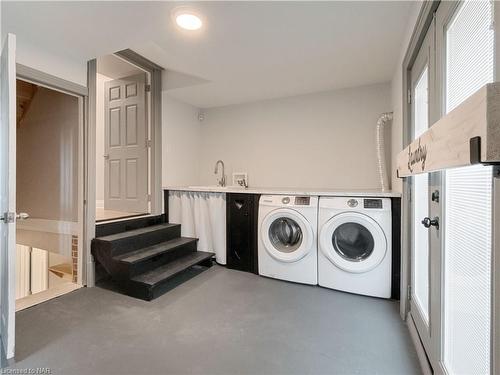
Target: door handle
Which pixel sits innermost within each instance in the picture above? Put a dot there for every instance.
(11, 217)
(106, 156)
(435, 196)
(428, 222)
(22, 216)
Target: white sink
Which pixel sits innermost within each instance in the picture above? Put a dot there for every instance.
(208, 187)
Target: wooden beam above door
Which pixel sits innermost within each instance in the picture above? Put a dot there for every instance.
(468, 135)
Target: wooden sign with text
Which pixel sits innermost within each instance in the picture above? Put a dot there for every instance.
(467, 135)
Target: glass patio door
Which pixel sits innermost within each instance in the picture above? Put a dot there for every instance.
(466, 55)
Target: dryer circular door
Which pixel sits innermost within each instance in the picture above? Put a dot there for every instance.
(287, 235)
(353, 242)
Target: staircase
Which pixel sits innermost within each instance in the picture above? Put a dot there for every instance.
(143, 255)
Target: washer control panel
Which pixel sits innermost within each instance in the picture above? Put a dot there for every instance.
(352, 203)
(372, 203)
(302, 201)
(289, 201)
(285, 200)
(297, 201)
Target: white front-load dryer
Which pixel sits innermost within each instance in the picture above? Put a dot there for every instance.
(287, 247)
(354, 245)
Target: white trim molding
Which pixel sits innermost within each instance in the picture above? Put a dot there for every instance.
(49, 226)
(419, 348)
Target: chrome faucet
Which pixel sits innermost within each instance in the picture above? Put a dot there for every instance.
(222, 181)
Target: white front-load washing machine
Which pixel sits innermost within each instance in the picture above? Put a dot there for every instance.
(287, 247)
(354, 246)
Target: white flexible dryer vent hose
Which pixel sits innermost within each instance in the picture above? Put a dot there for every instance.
(381, 157)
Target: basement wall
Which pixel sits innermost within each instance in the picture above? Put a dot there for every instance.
(181, 143)
(321, 140)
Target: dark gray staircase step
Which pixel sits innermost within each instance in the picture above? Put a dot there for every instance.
(147, 253)
(125, 242)
(106, 229)
(137, 232)
(161, 274)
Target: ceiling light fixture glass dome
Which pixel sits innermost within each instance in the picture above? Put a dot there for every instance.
(188, 21)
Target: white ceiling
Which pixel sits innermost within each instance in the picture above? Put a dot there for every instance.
(246, 51)
(114, 67)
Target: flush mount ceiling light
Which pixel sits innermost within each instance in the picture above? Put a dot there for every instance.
(188, 20)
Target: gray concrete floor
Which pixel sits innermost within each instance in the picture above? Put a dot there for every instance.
(219, 322)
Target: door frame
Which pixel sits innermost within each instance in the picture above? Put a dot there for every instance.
(495, 265)
(8, 180)
(51, 82)
(425, 18)
(432, 328)
(155, 108)
(424, 22)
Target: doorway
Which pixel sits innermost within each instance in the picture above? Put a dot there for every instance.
(123, 139)
(49, 183)
(450, 290)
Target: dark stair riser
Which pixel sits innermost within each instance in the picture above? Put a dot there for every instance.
(102, 255)
(128, 244)
(149, 292)
(162, 287)
(106, 229)
(132, 269)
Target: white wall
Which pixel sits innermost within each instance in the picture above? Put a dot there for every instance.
(56, 64)
(56, 61)
(322, 140)
(181, 140)
(397, 97)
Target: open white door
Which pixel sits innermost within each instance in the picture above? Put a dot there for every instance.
(126, 147)
(8, 194)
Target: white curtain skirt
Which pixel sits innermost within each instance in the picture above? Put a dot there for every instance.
(203, 216)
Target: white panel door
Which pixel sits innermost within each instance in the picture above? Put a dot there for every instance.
(8, 194)
(126, 156)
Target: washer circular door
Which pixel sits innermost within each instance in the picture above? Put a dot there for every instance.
(287, 235)
(353, 242)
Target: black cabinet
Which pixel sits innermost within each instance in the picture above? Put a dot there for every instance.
(242, 231)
